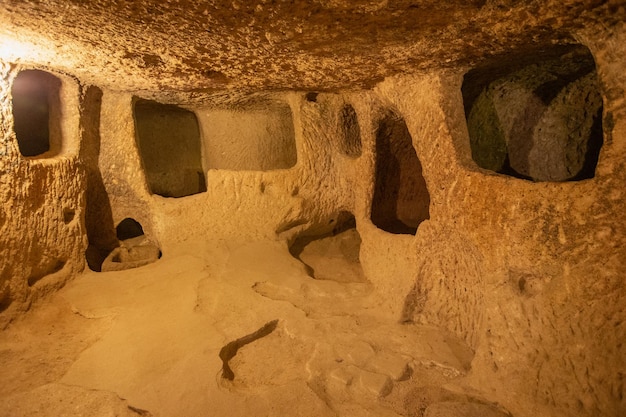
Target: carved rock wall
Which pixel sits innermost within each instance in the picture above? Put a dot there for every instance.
(42, 238)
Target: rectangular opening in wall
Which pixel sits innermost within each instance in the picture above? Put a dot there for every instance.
(256, 138)
(536, 116)
(168, 138)
(36, 112)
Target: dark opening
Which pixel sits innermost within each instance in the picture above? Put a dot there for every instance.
(128, 229)
(351, 132)
(311, 96)
(35, 96)
(134, 249)
(169, 142)
(536, 116)
(401, 200)
(68, 215)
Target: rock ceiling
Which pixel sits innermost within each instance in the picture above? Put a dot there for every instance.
(204, 46)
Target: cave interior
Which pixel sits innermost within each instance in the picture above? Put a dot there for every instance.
(313, 208)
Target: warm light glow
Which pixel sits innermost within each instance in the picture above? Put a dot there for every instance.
(26, 47)
(11, 49)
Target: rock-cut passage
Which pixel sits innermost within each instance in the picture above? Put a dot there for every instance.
(536, 117)
(401, 199)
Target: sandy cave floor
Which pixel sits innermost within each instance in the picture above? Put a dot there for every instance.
(152, 341)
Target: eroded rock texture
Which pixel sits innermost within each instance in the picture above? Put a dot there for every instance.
(41, 227)
(479, 147)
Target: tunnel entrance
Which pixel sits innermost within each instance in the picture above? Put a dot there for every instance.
(134, 250)
(128, 229)
(536, 116)
(401, 200)
(36, 111)
(169, 143)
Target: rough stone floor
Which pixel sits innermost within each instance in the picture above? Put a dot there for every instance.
(223, 329)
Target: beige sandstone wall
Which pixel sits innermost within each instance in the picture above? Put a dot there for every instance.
(239, 204)
(530, 274)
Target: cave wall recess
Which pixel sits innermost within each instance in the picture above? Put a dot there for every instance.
(536, 116)
(401, 200)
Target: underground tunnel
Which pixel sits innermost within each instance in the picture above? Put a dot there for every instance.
(312, 208)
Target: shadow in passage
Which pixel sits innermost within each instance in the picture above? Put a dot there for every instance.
(98, 214)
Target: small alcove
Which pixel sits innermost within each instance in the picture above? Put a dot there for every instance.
(401, 200)
(334, 255)
(257, 137)
(35, 96)
(169, 142)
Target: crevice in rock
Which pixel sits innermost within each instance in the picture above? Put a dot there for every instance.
(128, 229)
(139, 411)
(311, 96)
(68, 215)
(5, 303)
(230, 350)
(5, 299)
(414, 302)
(99, 223)
(6, 272)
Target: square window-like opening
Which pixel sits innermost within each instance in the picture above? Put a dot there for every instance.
(536, 116)
(169, 142)
(36, 112)
(257, 137)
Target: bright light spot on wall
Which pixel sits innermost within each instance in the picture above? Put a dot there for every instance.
(14, 50)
